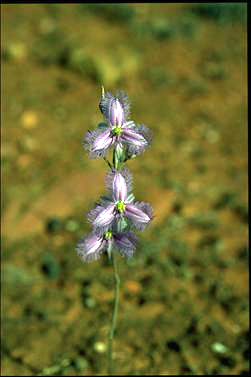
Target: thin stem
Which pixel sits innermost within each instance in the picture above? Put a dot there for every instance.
(115, 313)
(110, 166)
(114, 160)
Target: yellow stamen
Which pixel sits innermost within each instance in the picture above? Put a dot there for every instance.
(108, 235)
(121, 206)
(117, 131)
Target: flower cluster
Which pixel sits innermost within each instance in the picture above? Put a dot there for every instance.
(117, 214)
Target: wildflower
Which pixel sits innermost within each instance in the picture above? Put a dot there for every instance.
(120, 206)
(93, 246)
(114, 215)
(119, 130)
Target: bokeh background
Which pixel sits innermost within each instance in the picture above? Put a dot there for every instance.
(184, 297)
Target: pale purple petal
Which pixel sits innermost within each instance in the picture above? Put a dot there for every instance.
(138, 138)
(90, 248)
(98, 142)
(126, 243)
(133, 137)
(119, 183)
(124, 100)
(117, 115)
(115, 108)
(102, 141)
(139, 213)
(129, 124)
(119, 187)
(102, 217)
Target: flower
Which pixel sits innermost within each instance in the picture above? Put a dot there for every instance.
(119, 130)
(93, 246)
(119, 208)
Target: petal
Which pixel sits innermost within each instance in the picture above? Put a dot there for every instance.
(119, 183)
(102, 217)
(124, 100)
(103, 140)
(129, 124)
(139, 213)
(119, 187)
(91, 248)
(138, 138)
(98, 142)
(115, 108)
(126, 243)
(116, 113)
(132, 136)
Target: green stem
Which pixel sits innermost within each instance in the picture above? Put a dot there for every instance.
(114, 159)
(110, 166)
(115, 313)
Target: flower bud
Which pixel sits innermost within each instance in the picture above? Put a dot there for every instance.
(119, 155)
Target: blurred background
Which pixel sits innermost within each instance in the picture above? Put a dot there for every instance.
(184, 305)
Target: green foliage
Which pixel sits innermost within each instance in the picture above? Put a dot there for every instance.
(111, 12)
(222, 12)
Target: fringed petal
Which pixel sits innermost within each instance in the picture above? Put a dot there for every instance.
(117, 114)
(119, 184)
(124, 100)
(102, 217)
(138, 138)
(115, 108)
(91, 247)
(126, 243)
(140, 214)
(98, 142)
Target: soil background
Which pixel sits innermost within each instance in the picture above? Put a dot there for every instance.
(184, 306)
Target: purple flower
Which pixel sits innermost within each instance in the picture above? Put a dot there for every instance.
(119, 130)
(120, 207)
(91, 247)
